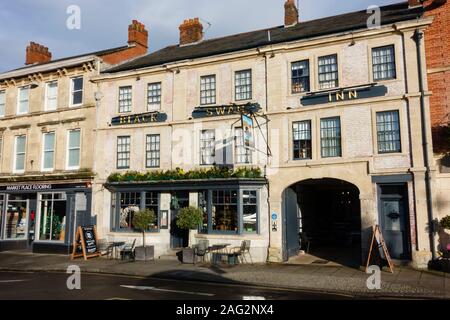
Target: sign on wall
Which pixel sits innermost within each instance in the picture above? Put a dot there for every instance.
(134, 119)
(226, 110)
(349, 94)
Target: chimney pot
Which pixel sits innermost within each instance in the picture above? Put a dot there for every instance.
(191, 31)
(137, 34)
(36, 53)
(290, 13)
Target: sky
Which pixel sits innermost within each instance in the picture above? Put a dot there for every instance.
(104, 23)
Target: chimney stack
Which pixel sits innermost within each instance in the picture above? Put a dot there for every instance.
(414, 3)
(191, 31)
(290, 13)
(37, 53)
(137, 34)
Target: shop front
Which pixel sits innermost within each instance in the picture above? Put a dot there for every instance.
(42, 217)
(234, 210)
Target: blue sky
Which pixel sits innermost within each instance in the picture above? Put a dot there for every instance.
(104, 22)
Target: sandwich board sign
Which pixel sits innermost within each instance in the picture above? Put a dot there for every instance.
(378, 241)
(86, 243)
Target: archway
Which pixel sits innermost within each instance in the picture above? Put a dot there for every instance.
(323, 218)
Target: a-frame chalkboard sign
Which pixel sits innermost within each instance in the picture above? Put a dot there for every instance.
(378, 241)
(85, 244)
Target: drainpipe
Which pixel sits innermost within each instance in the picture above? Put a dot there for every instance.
(418, 36)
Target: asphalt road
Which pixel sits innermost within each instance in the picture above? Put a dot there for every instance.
(53, 286)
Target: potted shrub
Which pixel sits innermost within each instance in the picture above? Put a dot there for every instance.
(142, 221)
(189, 218)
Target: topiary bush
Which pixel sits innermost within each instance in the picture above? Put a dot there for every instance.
(189, 218)
(142, 220)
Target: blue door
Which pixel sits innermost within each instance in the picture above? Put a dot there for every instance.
(178, 238)
(291, 224)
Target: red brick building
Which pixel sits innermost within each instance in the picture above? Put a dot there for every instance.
(437, 43)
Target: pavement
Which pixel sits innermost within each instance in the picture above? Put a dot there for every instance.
(404, 283)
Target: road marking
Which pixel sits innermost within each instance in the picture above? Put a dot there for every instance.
(253, 298)
(167, 290)
(10, 281)
(117, 299)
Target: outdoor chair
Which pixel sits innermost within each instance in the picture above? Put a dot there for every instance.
(243, 250)
(201, 250)
(128, 251)
(105, 248)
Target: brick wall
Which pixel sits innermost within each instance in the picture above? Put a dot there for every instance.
(437, 42)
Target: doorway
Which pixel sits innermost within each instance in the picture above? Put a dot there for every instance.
(394, 220)
(179, 238)
(323, 218)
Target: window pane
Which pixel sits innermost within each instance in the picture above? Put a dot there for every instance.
(77, 91)
(77, 84)
(224, 210)
(208, 90)
(152, 151)
(20, 144)
(243, 85)
(300, 76)
(154, 96)
(207, 147)
(243, 154)
(2, 102)
(328, 72)
(16, 219)
(250, 211)
(388, 132)
(123, 152)
(52, 218)
(130, 203)
(152, 203)
(74, 158)
(74, 139)
(383, 62)
(77, 97)
(301, 132)
(74, 149)
(125, 99)
(330, 132)
(49, 146)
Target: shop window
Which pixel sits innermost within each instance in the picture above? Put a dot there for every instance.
(328, 72)
(16, 218)
(330, 134)
(243, 85)
(301, 132)
(300, 76)
(208, 90)
(76, 89)
(52, 217)
(152, 203)
(130, 203)
(383, 63)
(388, 132)
(250, 211)
(154, 96)
(125, 99)
(225, 210)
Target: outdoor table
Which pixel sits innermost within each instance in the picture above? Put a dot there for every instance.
(218, 251)
(115, 246)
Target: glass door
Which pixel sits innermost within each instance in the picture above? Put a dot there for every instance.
(52, 217)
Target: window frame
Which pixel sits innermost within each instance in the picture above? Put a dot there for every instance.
(337, 80)
(46, 104)
(19, 101)
(202, 90)
(213, 148)
(3, 93)
(250, 71)
(130, 99)
(147, 150)
(68, 167)
(122, 152)
(72, 92)
(323, 138)
(39, 215)
(309, 121)
(159, 102)
(400, 149)
(16, 138)
(248, 154)
(43, 169)
(395, 77)
(300, 77)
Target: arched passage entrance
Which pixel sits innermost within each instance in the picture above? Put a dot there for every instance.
(323, 218)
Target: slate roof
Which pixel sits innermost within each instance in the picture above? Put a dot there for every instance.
(249, 40)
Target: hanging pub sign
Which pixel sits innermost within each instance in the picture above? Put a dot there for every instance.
(86, 243)
(226, 110)
(247, 131)
(349, 94)
(134, 119)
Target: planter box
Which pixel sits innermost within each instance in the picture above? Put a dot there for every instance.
(145, 254)
(188, 255)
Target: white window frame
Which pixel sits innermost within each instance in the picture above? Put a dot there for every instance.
(72, 92)
(16, 138)
(39, 216)
(67, 150)
(3, 92)
(18, 100)
(46, 105)
(44, 151)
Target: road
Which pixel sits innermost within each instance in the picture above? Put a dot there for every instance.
(53, 286)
